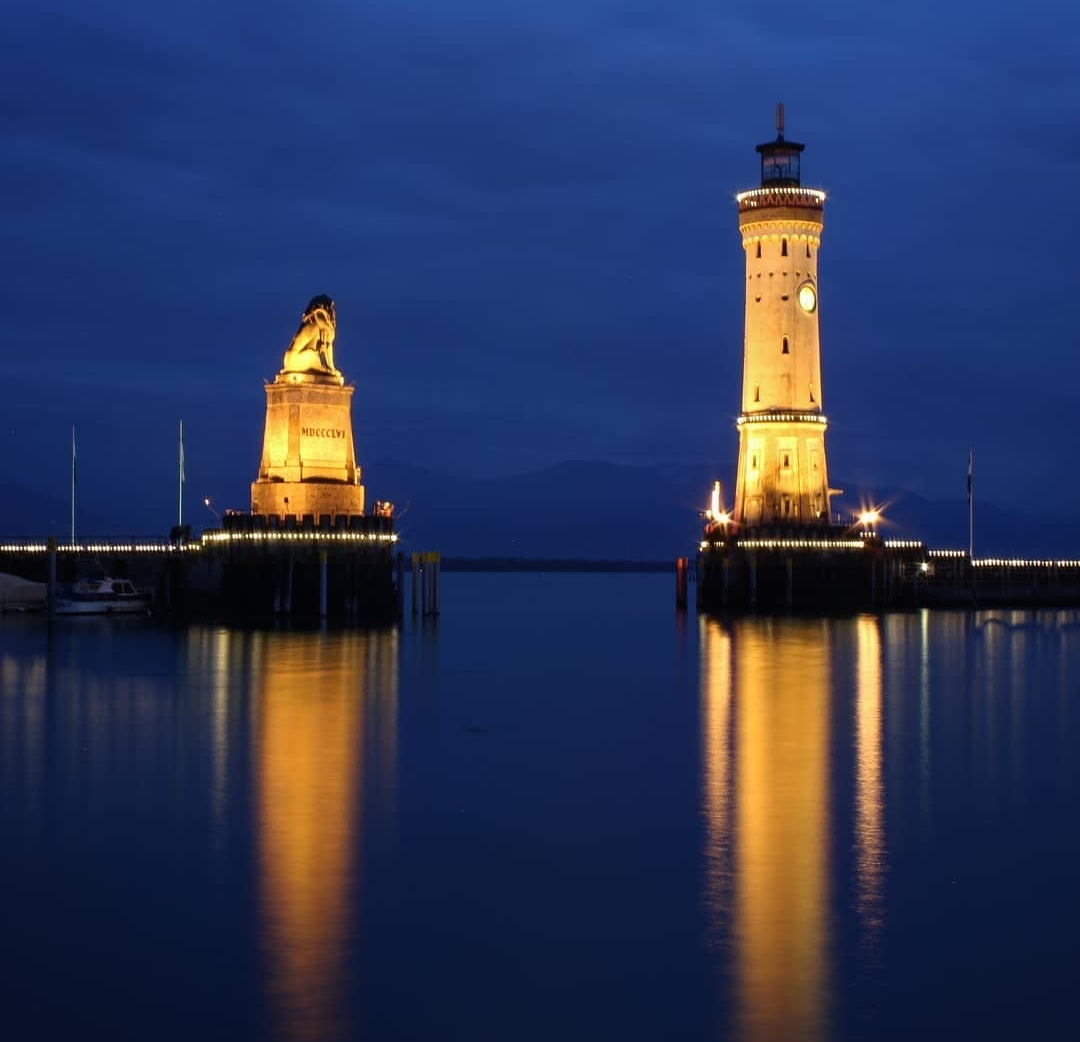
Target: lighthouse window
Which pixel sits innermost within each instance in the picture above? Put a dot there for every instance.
(757, 398)
(811, 392)
(808, 249)
(759, 250)
(786, 350)
(783, 248)
(787, 461)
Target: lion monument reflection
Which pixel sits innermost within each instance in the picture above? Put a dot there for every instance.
(312, 348)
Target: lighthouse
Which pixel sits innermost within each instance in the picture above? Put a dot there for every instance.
(782, 478)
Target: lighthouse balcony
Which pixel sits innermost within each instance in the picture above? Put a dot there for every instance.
(780, 195)
(785, 416)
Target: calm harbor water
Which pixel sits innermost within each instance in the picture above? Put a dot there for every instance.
(562, 812)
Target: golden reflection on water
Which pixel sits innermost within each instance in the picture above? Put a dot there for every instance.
(869, 793)
(22, 730)
(317, 696)
(218, 655)
(770, 682)
(716, 691)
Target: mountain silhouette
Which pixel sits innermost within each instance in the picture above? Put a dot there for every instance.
(588, 510)
(609, 511)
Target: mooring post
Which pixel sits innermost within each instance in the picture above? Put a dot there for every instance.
(681, 568)
(429, 583)
(322, 583)
(51, 588)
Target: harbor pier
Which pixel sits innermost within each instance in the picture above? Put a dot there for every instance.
(253, 568)
(787, 569)
(835, 570)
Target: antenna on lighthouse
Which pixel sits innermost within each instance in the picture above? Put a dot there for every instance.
(780, 119)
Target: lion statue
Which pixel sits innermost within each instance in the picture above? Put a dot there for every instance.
(312, 348)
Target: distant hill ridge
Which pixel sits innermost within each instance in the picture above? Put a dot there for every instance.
(578, 510)
(609, 511)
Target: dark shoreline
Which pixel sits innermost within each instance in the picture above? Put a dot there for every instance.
(551, 564)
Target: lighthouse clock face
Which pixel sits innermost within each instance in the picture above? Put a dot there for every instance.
(807, 297)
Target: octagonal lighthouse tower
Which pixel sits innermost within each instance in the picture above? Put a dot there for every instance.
(782, 479)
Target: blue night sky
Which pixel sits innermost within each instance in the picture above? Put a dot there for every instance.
(525, 214)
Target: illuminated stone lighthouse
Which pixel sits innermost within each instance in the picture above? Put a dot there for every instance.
(782, 479)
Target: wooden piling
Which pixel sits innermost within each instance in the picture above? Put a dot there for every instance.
(51, 588)
(322, 583)
(682, 570)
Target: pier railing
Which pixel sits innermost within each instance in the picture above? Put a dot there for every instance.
(235, 529)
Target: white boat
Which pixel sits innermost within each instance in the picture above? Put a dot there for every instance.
(102, 595)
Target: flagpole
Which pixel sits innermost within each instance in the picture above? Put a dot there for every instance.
(180, 507)
(73, 485)
(971, 508)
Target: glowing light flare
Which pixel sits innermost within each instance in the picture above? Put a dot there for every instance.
(870, 516)
(716, 512)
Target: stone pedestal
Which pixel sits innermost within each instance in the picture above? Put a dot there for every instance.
(308, 461)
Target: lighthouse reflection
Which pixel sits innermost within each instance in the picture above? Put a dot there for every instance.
(766, 703)
(326, 730)
(869, 786)
(770, 689)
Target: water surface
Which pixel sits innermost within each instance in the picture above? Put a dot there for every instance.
(561, 811)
